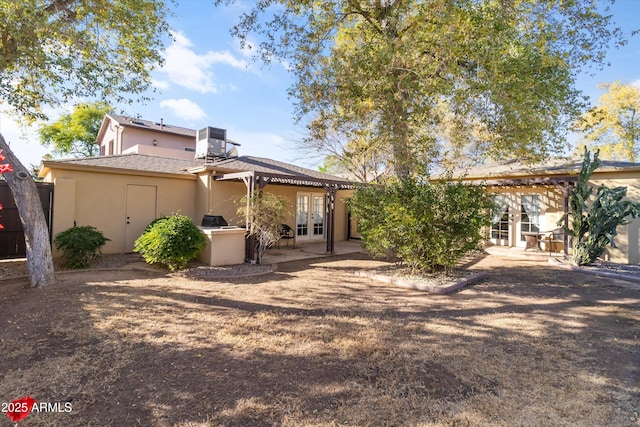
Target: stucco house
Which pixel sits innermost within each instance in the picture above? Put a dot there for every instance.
(133, 135)
(145, 173)
(533, 198)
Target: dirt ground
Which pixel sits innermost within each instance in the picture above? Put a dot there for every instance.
(312, 344)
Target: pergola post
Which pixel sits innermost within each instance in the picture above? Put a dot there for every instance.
(565, 193)
(331, 217)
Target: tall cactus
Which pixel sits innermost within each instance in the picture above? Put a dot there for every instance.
(594, 227)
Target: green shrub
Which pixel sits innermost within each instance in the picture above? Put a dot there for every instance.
(171, 241)
(428, 226)
(80, 245)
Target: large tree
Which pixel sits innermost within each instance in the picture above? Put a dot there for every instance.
(613, 125)
(431, 79)
(74, 134)
(54, 51)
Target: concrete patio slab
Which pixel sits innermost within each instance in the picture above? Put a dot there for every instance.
(309, 250)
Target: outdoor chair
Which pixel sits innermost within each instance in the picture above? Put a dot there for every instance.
(553, 238)
(287, 234)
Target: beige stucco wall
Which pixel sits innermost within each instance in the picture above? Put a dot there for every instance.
(628, 238)
(150, 150)
(118, 139)
(99, 199)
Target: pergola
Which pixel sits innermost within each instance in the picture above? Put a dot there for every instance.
(564, 183)
(255, 180)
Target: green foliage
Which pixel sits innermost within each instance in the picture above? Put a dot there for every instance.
(56, 50)
(171, 241)
(613, 126)
(592, 228)
(421, 80)
(75, 134)
(266, 213)
(427, 225)
(80, 245)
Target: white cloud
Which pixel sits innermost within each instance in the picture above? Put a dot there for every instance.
(160, 84)
(251, 51)
(184, 109)
(636, 83)
(257, 144)
(24, 139)
(191, 70)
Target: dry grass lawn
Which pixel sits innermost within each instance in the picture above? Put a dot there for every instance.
(314, 345)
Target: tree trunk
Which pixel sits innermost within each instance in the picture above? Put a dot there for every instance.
(36, 234)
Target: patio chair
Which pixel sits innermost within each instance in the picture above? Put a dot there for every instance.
(287, 234)
(554, 238)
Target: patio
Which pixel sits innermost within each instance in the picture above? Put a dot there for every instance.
(302, 251)
(519, 252)
(309, 250)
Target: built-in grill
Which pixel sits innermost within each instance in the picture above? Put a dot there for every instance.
(214, 221)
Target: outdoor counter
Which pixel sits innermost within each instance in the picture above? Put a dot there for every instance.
(225, 246)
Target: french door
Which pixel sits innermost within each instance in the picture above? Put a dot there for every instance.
(516, 214)
(310, 216)
(499, 232)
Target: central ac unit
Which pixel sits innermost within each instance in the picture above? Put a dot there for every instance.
(211, 142)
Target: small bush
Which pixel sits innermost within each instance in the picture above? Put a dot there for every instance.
(171, 241)
(80, 245)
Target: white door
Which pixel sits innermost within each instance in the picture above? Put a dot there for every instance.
(310, 216)
(140, 211)
(516, 214)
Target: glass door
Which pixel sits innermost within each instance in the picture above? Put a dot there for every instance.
(529, 216)
(499, 232)
(310, 216)
(318, 215)
(302, 217)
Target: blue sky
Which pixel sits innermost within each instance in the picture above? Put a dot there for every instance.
(208, 80)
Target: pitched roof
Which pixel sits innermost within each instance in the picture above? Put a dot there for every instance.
(554, 166)
(143, 163)
(154, 126)
(127, 162)
(264, 165)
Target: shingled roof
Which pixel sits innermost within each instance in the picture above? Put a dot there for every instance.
(151, 125)
(264, 165)
(127, 162)
(552, 167)
(142, 163)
